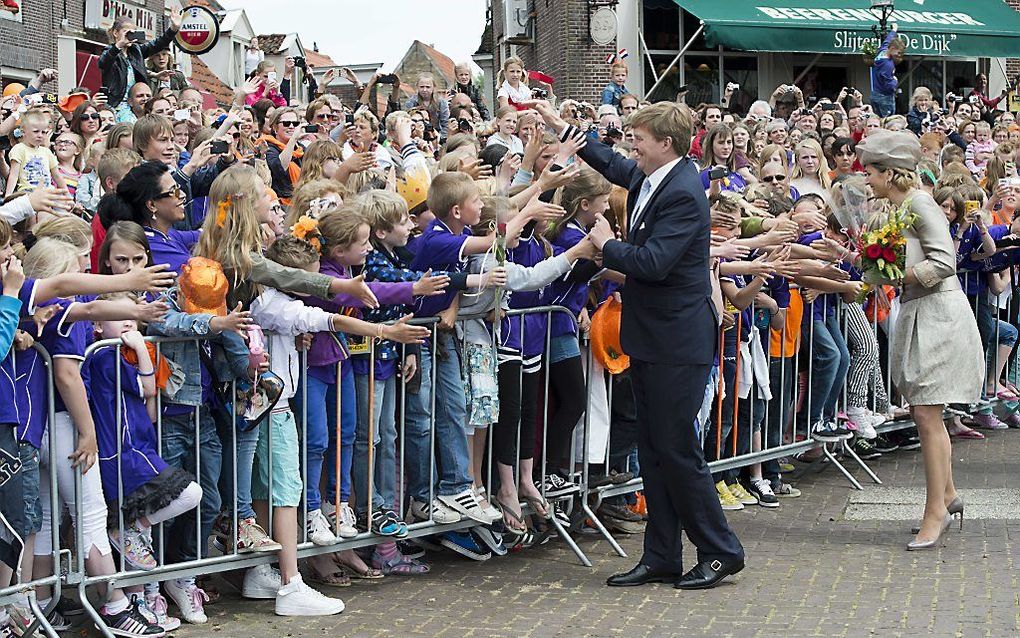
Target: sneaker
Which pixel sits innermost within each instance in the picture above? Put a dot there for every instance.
(865, 449)
(762, 490)
(742, 495)
(158, 606)
(348, 522)
(135, 547)
(410, 549)
(466, 503)
(255, 537)
(57, 621)
(490, 510)
(555, 485)
(437, 512)
(883, 444)
(614, 524)
(69, 607)
(785, 465)
(261, 582)
(1013, 420)
(989, 422)
(618, 511)
(465, 545)
(864, 421)
(490, 539)
(131, 621)
(830, 432)
(189, 598)
(785, 490)
(726, 498)
(298, 599)
(319, 532)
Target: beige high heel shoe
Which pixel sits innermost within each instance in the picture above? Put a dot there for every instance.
(955, 507)
(915, 545)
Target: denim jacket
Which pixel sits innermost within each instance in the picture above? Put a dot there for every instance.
(230, 360)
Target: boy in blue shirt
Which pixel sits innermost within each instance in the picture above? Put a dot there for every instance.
(616, 87)
(445, 245)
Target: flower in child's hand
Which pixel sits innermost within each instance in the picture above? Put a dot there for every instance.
(874, 251)
(889, 254)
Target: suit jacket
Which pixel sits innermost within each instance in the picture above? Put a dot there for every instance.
(668, 315)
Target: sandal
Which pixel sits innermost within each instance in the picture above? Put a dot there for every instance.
(399, 565)
(539, 506)
(368, 573)
(968, 434)
(335, 579)
(516, 528)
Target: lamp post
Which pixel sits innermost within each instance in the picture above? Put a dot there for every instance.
(882, 9)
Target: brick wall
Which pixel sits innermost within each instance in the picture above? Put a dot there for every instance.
(562, 48)
(32, 43)
(415, 64)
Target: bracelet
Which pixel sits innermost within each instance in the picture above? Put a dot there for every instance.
(147, 374)
(379, 336)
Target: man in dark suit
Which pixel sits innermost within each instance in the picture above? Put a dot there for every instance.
(669, 328)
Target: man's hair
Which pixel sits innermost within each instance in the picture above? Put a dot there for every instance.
(115, 164)
(448, 190)
(148, 128)
(292, 252)
(628, 96)
(382, 209)
(662, 120)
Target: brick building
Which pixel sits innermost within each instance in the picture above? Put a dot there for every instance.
(422, 58)
(553, 36)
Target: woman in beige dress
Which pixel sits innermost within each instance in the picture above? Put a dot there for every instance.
(936, 355)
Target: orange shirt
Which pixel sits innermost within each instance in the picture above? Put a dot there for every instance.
(785, 343)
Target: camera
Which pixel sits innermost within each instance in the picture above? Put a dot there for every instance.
(218, 147)
(614, 133)
(389, 78)
(350, 119)
(717, 172)
(299, 62)
(540, 94)
(828, 106)
(732, 86)
(952, 97)
(136, 36)
(806, 112)
(312, 128)
(464, 124)
(593, 128)
(182, 115)
(975, 99)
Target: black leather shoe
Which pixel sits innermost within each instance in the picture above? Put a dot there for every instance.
(640, 575)
(709, 574)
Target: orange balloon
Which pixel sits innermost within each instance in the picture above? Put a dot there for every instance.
(13, 89)
(605, 337)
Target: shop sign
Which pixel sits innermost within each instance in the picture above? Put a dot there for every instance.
(199, 31)
(100, 14)
(919, 44)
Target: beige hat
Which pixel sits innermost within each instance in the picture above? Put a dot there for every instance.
(891, 149)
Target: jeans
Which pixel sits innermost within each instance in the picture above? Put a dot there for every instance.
(320, 441)
(384, 484)
(12, 496)
(179, 442)
(781, 378)
(883, 105)
(450, 419)
(830, 360)
(245, 442)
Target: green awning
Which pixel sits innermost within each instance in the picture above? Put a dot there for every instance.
(966, 28)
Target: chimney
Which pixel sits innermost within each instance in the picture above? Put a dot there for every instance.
(315, 46)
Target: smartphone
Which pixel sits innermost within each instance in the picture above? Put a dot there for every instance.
(182, 115)
(271, 76)
(136, 36)
(970, 206)
(218, 147)
(350, 119)
(389, 78)
(105, 90)
(828, 106)
(312, 128)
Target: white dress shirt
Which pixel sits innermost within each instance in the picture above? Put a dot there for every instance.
(654, 180)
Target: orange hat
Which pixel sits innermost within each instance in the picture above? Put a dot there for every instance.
(69, 103)
(414, 188)
(605, 337)
(13, 89)
(204, 287)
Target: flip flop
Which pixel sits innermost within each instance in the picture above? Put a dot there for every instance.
(368, 574)
(969, 434)
(334, 579)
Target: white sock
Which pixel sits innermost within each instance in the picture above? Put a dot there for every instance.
(44, 602)
(116, 606)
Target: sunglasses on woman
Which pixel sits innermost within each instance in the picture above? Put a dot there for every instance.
(91, 116)
(175, 191)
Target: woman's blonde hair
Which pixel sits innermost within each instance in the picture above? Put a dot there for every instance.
(307, 191)
(341, 227)
(588, 185)
(823, 173)
(369, 118)
(902, 179)
(231, 231)
(767, 152)
(919, 92)
(68, 228)
(50, 257)
(501, 76)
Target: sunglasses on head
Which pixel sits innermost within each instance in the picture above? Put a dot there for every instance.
(768, 179)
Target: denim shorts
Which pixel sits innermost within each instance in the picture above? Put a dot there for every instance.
(562, 348)
(287, 487)
(30, 485)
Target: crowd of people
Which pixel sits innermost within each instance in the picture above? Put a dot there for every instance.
(294, 238)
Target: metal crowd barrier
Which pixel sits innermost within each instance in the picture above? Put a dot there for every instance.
(580, 505)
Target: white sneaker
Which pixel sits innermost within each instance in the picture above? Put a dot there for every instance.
(348, 527)
(319, 531)
(261, 582)
(157, 605)
(490, 511)
(865, 422)
(298, 599)
(189, 598)
(437, 512)
(465, 503)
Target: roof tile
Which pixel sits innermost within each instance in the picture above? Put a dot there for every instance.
(203, 78)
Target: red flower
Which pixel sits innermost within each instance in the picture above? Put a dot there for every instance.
(889, 254)
(501, 229)
(874, 251)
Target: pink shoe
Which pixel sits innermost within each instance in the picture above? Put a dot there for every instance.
(989, 422)
(1013, 420)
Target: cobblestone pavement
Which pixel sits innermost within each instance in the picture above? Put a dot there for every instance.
(810, 572)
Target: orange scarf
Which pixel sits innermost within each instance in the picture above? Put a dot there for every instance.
(293, 170)
(162, 368)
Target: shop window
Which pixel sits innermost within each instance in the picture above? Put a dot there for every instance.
(661, 25)
(742, 70)
(667, 89)
(701, 75)
(960, 76)
(930, 74)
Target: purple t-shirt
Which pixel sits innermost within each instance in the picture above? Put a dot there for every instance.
(438, 248)
(173, 248)
(573, 296)
(64, 338)
(825, 304)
